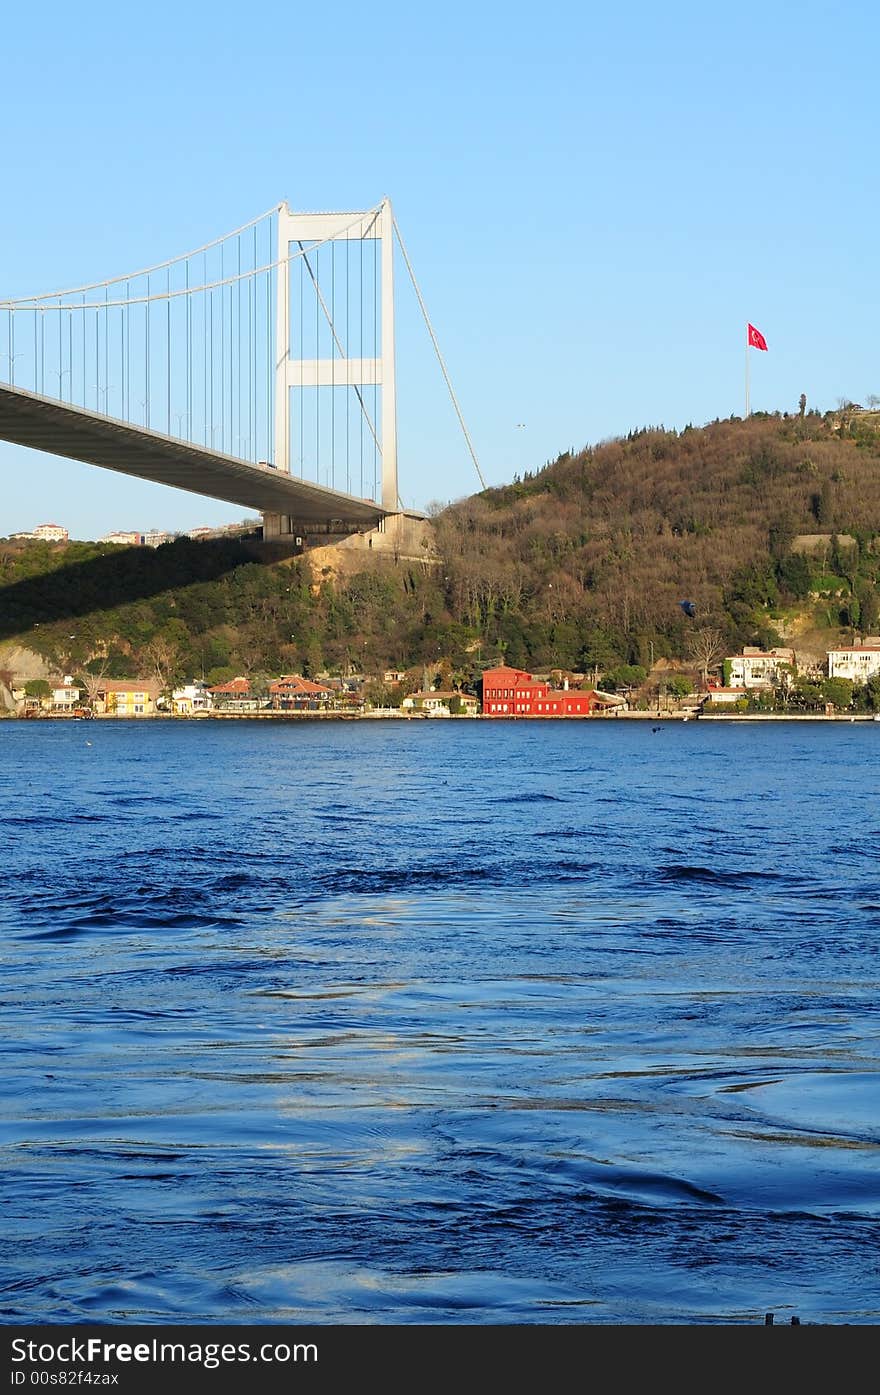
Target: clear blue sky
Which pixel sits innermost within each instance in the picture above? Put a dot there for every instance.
(596, 200)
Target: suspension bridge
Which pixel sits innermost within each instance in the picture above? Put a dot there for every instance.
(258, 369)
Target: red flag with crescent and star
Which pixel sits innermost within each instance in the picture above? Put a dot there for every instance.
(756, 338)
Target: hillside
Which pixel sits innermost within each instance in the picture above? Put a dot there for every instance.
(769, 526)
(585, 562)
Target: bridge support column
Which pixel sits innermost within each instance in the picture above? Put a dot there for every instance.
(281, 525)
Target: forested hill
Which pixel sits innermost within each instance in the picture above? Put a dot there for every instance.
(769, 526)
(588, 558)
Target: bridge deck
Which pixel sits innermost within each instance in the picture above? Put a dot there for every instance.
(42, 423)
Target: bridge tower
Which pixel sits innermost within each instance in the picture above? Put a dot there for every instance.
(293, 374)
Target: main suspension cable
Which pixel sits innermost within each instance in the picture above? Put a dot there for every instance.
(427, 320)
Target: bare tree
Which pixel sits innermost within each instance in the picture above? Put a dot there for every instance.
(706, 648)
(162, 656)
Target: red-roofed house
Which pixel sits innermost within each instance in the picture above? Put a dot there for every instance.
(293, 693)
(236, 696)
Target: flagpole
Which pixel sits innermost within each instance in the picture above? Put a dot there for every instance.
(747, 370)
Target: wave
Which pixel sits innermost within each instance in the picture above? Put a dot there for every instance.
(711, 876)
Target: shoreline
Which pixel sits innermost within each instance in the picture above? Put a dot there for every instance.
(680, 717)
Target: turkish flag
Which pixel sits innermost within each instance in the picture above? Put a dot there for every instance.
(756, 339)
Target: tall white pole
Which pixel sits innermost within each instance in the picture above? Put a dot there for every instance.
(747, 370)
(282, 343)
(389, 399)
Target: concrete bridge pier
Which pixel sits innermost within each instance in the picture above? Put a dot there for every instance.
(280, 525)
(396, 534)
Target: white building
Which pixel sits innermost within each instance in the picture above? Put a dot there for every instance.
(123, 539)
(45, 532)
(859, 663)
(51, 532)
(715, 696)
(759, 668)
(66, 698)
(436, 704)
(192, 697)
(433, 703)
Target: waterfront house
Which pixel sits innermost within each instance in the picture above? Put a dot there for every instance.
(236, 696)
(512, 692)
(293, 693)
(717, 696)
(859, 662)
(468, 705)
(347, 694)
(191, 698)
(438, 703)
(65, 697)
(126, 697)
(759, 668)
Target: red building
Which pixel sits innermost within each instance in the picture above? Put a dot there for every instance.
(511, 692)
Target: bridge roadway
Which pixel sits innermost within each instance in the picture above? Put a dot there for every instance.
(42, 423)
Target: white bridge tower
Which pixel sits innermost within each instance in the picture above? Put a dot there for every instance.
(301, 232)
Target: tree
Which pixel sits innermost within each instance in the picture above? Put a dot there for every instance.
(802, 405)
(822, 504)
(624, 676)
(163, 656)
(378, 694)
(837, 691)
(805, 694)
(794, 575)
(679, 685)
(706, 648)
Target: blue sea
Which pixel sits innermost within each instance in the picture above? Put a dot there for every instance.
(448, 1022)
